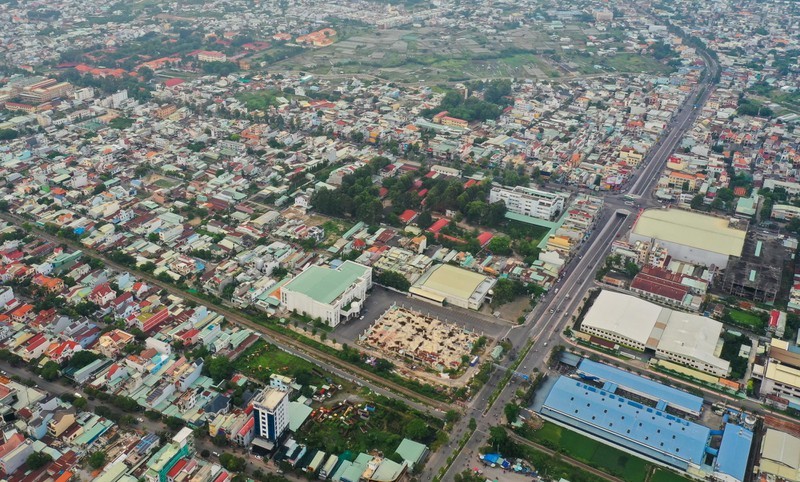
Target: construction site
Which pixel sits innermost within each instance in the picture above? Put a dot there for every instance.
(757, 273)
(421, 341)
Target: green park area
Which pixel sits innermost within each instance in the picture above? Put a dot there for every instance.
(579, 447)
(367, 422)
(263, 359)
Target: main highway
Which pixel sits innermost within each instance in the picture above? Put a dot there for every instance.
(544, 324)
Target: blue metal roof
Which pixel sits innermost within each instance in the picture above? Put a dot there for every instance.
(734, 451)
(645, 430)
(642, 386)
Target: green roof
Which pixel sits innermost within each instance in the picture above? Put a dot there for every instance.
(412, 452)
(324, 284)
(298, 413)
(113, 473)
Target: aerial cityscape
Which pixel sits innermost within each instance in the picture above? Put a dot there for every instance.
(400, 240)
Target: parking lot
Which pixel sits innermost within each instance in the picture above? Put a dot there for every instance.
(381, 299)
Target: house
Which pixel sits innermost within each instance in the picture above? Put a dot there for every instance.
(102, 295)
(61, 352)
(111, 344)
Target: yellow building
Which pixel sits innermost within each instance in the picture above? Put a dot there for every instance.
(61, 421)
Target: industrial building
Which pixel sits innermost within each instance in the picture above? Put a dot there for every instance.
(271, 414)
(780, 374)
(780, 456)
(683, 338)
(444, 283)
(331, 294)
(647, 419)
(690, 236)
(529, 202)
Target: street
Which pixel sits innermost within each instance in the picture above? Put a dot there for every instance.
(544, 324)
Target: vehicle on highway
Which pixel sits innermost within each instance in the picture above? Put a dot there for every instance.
(629, 203)
(552, 310)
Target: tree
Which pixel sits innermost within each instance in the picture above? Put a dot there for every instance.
(697, 202)
(37, 460)
(83, 358)
(219, 368)
(232, 462)
(424, 220)
(500, 245)
(50, 371)
(451, 416)
(512, 412)
(416, 429)
(97, 459)
(393, 279)
(631, 268)
(80, 403)
(8, 134)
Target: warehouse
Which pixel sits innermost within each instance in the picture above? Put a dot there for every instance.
(780, 456)
(646, 418)
(331, 294)
(644, 430)
(626, 320)
(692, 237)
(449, 284)
(683, 338)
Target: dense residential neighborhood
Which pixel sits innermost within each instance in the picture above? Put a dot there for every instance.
(399, 241)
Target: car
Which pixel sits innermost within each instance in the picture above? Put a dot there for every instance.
(552, 310)
(215, 454)
(629, 203)
(545, 344)
(140, 420)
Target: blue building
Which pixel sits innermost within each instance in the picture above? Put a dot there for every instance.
(641, 416)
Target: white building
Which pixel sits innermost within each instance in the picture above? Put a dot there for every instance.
(331, 294)
(683, 338)
(271, 414)
(529, 202)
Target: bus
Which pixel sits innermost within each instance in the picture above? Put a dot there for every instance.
(631, 197)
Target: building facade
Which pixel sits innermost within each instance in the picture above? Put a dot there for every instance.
(271, 414)
(529, 202)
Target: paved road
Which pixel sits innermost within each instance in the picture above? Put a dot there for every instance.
(545, 323)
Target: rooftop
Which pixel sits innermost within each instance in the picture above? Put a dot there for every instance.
(645, 430)
(626, 315)
(734, 451)
(270, 398)
(688, 228)
(325, 284)
(451, 280)
(644, 386)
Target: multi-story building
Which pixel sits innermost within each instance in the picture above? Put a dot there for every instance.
(330, 294)
(780, 374)
(271, 414)
(529, 202)
(182, 445)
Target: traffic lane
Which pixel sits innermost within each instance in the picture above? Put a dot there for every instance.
(577, 283)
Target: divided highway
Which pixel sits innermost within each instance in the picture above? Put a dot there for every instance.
(545, 323)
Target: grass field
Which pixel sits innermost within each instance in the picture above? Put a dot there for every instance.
(663, 475)
(604, 457)
(262, 359)
(745, 318)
